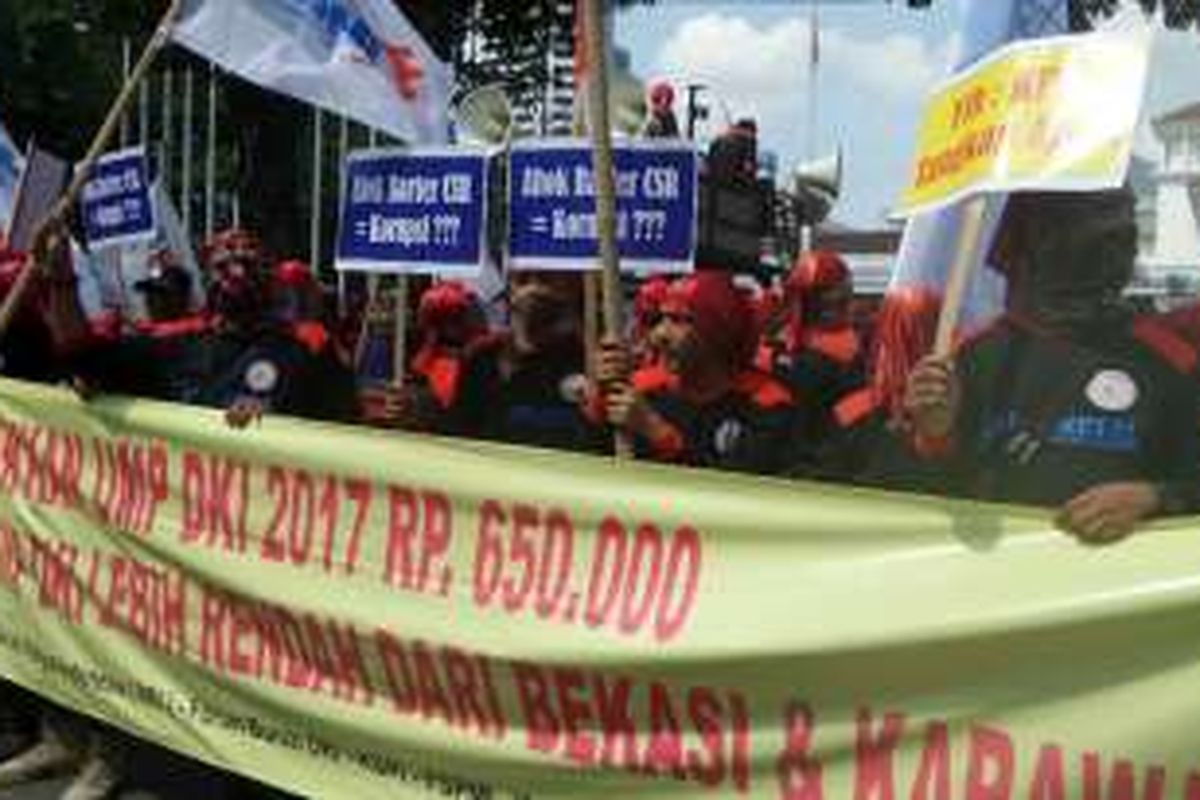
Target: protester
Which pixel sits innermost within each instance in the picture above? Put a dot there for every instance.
(1059, 403)
(526, 385)
(27, 352)
(291, 367)
(27, 349)
(167, 289)
(647, 314)
(819, 353)
(662, 123)
(733, 156)
(450, 321)
(870, 441)
(704, 405)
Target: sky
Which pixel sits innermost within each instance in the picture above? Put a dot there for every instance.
(877, 64)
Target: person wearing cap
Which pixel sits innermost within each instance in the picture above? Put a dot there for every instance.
(819, 353)
(704, 405)
(1059, 403)
(259, 346)
(526, 385)
(167, 289)
(176, 354)
(166, 356)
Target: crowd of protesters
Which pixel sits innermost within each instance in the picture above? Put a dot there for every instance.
(1069, 400)
(1067, 391)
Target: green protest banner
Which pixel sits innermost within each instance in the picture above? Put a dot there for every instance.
(348, 613)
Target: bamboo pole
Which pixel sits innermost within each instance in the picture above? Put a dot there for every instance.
(165, 145)
(210, 155)
(400, 343)
(317, 186)
(343, 150)
(960, 274)
(63, 207)
(126, 66)
(189, 103)
(606, 206)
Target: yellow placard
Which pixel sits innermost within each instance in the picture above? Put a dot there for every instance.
(1050, 114)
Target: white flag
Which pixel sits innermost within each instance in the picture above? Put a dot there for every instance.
(358, 58)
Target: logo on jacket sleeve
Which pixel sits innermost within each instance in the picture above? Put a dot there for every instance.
(262, 376)
(727, 436)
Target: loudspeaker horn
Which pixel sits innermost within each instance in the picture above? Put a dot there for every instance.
(485, 115)
(818, 184)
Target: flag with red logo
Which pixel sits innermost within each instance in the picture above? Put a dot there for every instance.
(359, 58)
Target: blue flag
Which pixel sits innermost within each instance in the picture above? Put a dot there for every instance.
(10, 169)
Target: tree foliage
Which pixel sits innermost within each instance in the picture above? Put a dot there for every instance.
(60, 67)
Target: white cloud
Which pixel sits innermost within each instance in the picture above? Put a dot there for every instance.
(900, 66)
(756, 66)
(745, 65)
(871, 90)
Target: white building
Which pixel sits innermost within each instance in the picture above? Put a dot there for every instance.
(1177, 226)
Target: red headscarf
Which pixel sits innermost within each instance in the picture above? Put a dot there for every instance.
(816, 269)
(906, 328)
(719, 313)
(448, 318)
(648, 304)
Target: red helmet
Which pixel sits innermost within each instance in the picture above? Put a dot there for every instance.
(817, 269)
(449, 311)
(293, 273)
(904, 333)
(648, 303)
(662, 96)
(719, 313)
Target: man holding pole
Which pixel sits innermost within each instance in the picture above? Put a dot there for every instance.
(705, 405)
(1059, 403)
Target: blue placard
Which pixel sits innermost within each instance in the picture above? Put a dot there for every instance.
(115, 202)
(414, 212)
(552, 218)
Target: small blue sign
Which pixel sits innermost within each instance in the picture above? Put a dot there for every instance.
(552, 207)
(115, 202)
(414, 212)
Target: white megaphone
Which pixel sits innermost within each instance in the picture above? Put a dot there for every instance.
(484, 115)
(817, 185)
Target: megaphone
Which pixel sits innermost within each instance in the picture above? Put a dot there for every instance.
(817, 185)
(485, 115)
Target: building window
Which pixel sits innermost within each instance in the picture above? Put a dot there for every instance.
(1171, 155)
